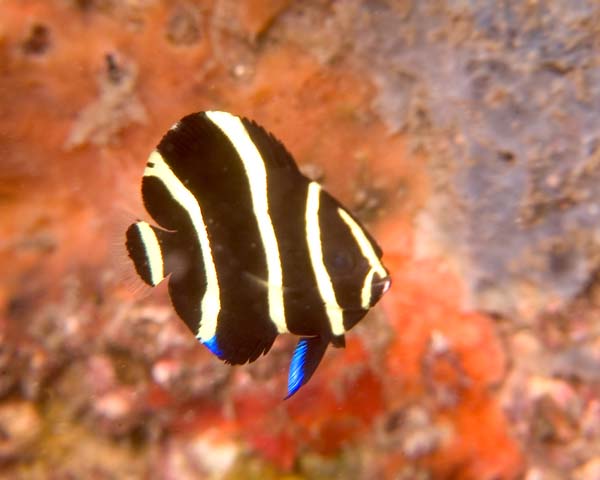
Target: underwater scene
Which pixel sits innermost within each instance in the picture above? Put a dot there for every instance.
(311, 239)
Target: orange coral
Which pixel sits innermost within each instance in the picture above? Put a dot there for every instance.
(65, 173)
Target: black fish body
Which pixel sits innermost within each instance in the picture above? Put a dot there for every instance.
(252, 247)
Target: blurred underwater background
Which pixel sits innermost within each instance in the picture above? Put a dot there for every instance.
(466, 135)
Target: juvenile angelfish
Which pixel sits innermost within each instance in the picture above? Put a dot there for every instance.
(252, 247)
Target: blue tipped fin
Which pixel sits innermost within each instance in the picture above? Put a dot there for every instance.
(213, 346)
(306, 359)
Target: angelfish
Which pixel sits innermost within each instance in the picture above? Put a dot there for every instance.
(252, 247)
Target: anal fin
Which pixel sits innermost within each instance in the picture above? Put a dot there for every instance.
(307, 356)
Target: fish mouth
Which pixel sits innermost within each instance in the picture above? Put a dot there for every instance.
(379, 287)
(386, 283)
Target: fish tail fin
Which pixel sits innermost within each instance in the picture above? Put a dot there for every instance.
(147, 247)
(307, 356)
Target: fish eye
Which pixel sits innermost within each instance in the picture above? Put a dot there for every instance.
(342, 261)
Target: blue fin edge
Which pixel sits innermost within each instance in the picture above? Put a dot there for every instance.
(212, 345)
(296, 376)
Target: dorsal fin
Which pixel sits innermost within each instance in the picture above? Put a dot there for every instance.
(271, 149)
